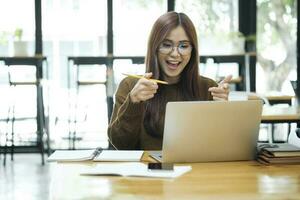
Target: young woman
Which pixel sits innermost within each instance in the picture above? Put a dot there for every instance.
(138, 116)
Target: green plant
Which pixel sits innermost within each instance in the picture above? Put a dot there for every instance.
(251, 38)
(18, 34)
(235, 34)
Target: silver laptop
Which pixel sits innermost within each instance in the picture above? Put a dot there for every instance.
(207, 131)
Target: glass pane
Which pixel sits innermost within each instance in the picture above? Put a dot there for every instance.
(276, 45)
(17, 36)
(82, 22)
(76, 28)
(17, 27)
(218, 71)
(127, 67)
(72, 28)
(216, 23)
(133, 21)
(92, 73)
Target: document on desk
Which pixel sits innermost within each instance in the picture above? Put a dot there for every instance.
(133, 169)
(72, 155)
(120, 155)
(96, 155)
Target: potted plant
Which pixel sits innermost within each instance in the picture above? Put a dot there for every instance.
(20, 47)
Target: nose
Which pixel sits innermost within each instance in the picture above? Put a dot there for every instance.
(175, 52)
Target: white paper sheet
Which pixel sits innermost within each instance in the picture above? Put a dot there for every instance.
(134, 169)
(114, 155)
(71, 155)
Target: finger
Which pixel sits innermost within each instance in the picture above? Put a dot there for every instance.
(152, 86)
(140, 94)
(218, 99)
(151, 90)
(218, 90)
(148, 75)
(145, 86)
(220, 95)
(146, 97)
(227, 79)
(224, 86)
(143, 90)
(145, 93)
(148, 82)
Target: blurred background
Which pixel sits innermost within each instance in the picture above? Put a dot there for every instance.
(83, 46)
(61, 62)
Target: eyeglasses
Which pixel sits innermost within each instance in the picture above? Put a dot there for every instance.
(183, 48)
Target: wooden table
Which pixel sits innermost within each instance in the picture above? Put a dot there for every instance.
(280, 99)
(275, 114)
(218, 180)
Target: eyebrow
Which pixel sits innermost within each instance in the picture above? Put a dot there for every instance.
(181, 41)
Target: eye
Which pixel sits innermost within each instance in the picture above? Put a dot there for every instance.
(166, 45)
(184, 46)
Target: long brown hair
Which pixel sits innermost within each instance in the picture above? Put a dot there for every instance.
(188, 83)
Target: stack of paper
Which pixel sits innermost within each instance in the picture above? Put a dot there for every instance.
(134, 169)
(279, 153)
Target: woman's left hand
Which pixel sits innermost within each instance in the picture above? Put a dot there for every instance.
(222, 91)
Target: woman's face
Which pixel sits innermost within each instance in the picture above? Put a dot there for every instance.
(174, 53)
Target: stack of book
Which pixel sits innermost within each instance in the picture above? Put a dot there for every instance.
(278, 154)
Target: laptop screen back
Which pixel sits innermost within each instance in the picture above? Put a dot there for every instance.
(207, 131)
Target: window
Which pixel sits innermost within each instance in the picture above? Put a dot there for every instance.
(17, 26)
(216, 23)
(132, 24)
(72, 28)
(276, 45)
(76, 28)
(17, 35)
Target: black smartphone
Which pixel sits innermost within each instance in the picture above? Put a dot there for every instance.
(161, 166)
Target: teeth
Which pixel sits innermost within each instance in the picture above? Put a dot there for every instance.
(173, 62)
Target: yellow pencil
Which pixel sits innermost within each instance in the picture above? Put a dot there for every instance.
(139, 76)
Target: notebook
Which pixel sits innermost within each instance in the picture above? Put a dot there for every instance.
(133, 169)
(278, 154)
(95, 155)
(206, 131)
(279, 150)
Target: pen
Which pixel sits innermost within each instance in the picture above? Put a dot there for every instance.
(97, 152)
(139, 76)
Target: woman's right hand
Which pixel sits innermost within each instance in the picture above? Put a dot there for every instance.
(144, 89)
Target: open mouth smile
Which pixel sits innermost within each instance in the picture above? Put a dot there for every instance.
(173, 64)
